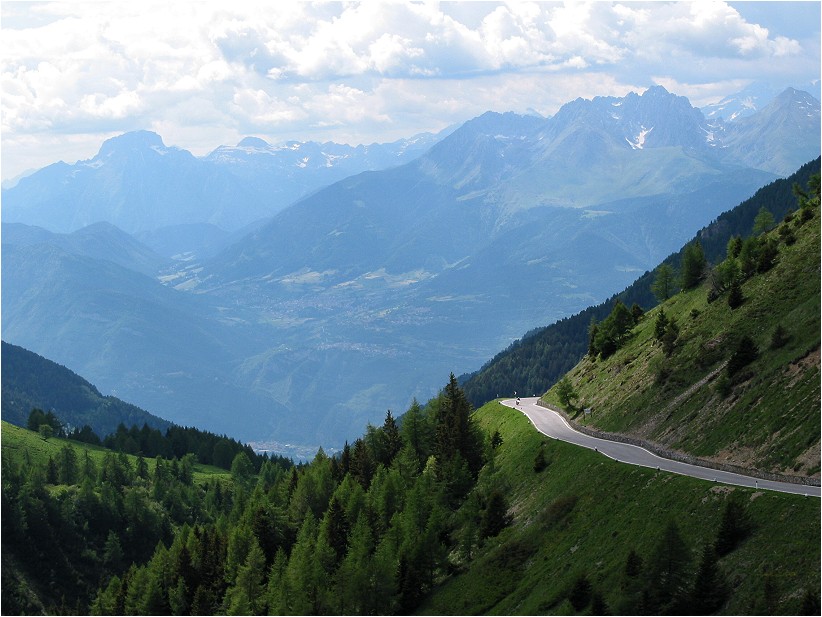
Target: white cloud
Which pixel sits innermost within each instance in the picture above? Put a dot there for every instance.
(370, 71)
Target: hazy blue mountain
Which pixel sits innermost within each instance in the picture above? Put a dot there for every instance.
(475, 184)
(98, 241)
(753, 98)
(164, 350)
(371, 290)
(292, 170)
(136, 183)
(757, 140)
(741, 104)
(139, 184)
(31, 381)
(189, 241)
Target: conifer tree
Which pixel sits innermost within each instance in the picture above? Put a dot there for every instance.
(246, 597)
(733, 527)
(566, 392)
(362, 463)
(763, 222)
(495, 517)
(417, 434)
(693, 264)
(242, 470)
(334, 529)
(384, 572)
(305, 577)
(105, 602)
(345, 459)
(539, 461)
(633, 564)
(735, 297)
(767, 254)
(593, 334)
(749, 256)
(734, 247)
(141, 468)
(240, 540)
(580, 594)
(744, 353)
(202, 602)
(113, 551)
(455, 435)
(278, 593)
(178, 598)
(668, 572)
(68, 468)
(710, 587)
(496, 440)
(779, 337)
(52, 476)
(810, 604)
(354, 582)
(670, 337)
(663, 285)
(385, 497)
(660, 325)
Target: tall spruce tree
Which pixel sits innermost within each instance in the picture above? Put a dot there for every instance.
(663, 285)
(455, 434)
(668, 572)
(693, 265)
(710, 587)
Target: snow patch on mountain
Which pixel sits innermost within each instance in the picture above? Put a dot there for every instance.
(639, 141)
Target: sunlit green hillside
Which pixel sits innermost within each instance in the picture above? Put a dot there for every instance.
(692, 394)
(576, 523)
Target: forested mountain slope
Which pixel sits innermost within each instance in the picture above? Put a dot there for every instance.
(31, 381)
(449, 513)
(726, 369)
(534, 363)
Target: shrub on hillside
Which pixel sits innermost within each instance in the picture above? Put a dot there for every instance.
(745, 353)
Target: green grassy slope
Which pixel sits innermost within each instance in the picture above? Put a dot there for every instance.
(25, 446)
(767, 416)
(584, 513)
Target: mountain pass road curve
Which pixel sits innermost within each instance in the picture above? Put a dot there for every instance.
(554, 425)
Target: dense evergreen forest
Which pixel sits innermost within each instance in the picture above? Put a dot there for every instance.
(367, 531)
(531, 365)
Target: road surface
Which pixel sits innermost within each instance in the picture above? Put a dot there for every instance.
(553, 425)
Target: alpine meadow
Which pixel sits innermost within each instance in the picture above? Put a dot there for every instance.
(493, 308)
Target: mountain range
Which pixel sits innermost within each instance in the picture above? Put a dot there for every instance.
(363, 294)
(142, 186)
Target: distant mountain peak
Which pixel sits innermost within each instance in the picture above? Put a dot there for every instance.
(133, 140)
(753, 99)
(657, 90)
(792, 95)
(792, 100)
(253, 142)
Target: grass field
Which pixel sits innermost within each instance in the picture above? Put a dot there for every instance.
(28, 447)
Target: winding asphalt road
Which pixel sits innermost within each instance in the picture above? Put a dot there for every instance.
(553, 425)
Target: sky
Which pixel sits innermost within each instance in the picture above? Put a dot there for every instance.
(204, 74)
